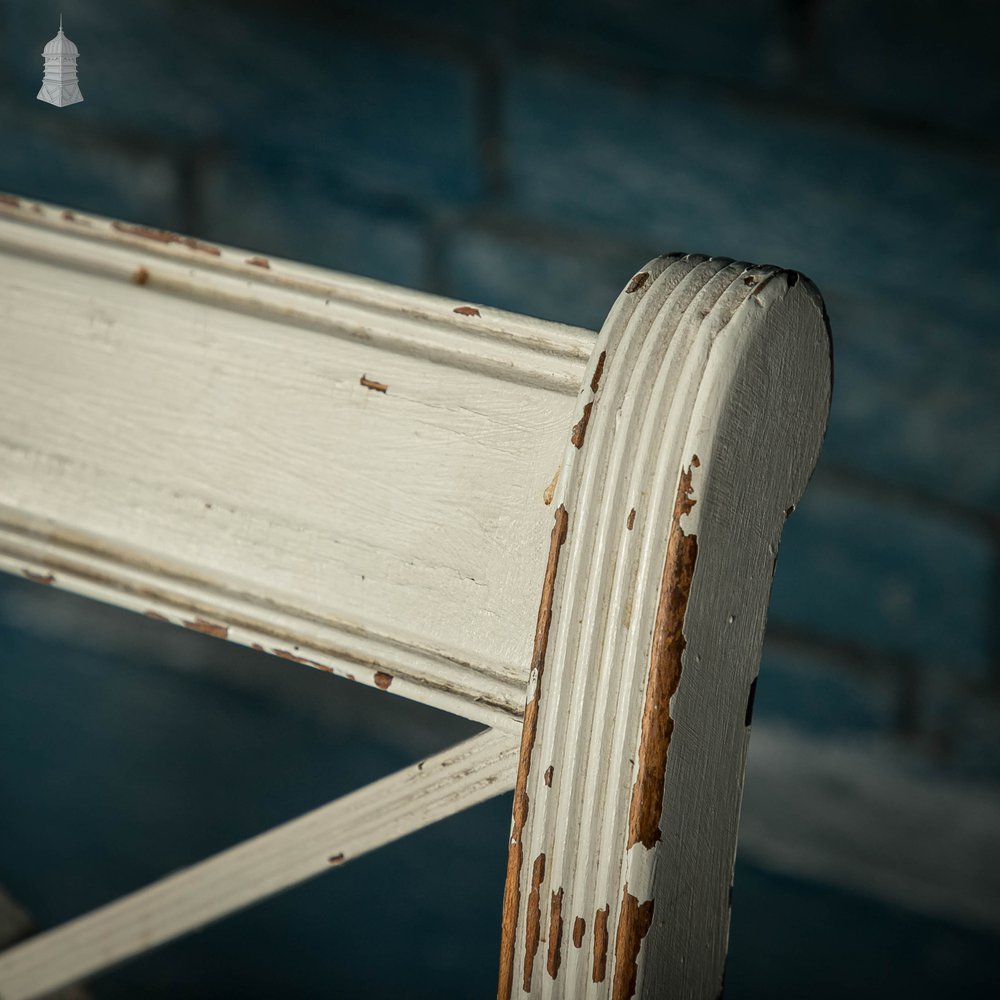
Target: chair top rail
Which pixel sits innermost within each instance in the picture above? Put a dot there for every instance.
(338, 471)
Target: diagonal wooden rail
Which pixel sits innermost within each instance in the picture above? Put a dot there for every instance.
(568, 538)
(377, 814)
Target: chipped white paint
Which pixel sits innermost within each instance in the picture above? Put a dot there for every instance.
(379, 483)
(706, 421)
(187, 434)
(377, 814)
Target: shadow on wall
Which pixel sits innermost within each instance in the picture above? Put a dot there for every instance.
(532, 158)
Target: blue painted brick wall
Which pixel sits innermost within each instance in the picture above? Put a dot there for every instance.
(871, 572)
(532, 158)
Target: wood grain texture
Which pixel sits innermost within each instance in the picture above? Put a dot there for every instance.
(325, 838)
(335, 470)
(696, 429)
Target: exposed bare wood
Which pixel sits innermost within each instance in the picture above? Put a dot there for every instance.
(564, 537)
(696, 429)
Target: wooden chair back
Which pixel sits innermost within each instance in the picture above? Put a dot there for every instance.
(566, 537)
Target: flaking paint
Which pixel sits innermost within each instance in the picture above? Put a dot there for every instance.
(637, 282)
(555, 933)
(208, 628)
(595, 380)
(163, 236)
(529, 729)
(601, 944)
(664, 671)
(580, 428)
(634, 921)
(370, 383)
(533, 921)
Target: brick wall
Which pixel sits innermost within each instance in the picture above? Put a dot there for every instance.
(532, 157)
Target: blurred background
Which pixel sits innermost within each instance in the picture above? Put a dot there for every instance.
(532, 157)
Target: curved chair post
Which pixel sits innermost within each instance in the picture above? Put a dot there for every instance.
(340, 473)
(696, 429)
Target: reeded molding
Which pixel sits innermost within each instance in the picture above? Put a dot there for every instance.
(697, 426)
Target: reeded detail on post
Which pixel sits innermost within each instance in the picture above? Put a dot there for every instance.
(658, 419)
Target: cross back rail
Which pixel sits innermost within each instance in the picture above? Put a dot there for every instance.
(567, 538)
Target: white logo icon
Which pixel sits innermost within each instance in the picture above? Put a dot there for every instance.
(59, 86)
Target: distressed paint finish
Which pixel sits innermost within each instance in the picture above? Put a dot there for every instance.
(319, 841)
(696, 428)
(326, 468)
(664, 671)
(336, 470)
(515, 856)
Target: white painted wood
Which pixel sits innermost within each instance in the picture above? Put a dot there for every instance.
(696, 433)
(202, 435)
(16, 925)
(378, 483)
(424, 793)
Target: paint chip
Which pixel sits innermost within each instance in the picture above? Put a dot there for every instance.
(665, 662)
(630, 523)
(547, 777)
(369, 383)
(208, 628)
(140, 276)
(336, 859)
(466, 310)
(163, 236)
(580, 428)
(550, 490)
(258, 262)
(532, 927)
(595, 381)
(555, 934)
(68, 215)
(46, 578)
(286, 654)
(637, 282)
(634, 921)
(382, 680)
(601, 944)
(579, 929)
(529, 730)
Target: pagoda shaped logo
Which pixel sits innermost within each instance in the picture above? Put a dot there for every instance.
(59, 84)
